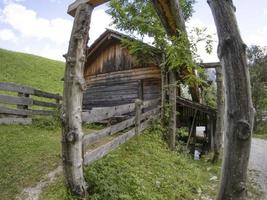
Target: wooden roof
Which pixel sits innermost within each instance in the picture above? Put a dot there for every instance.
(109, 35)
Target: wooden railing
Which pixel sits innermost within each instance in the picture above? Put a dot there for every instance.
(23, 101)
(136, 124)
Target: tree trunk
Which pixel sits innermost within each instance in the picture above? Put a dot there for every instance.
(220, 115)
(239, 108)
(172, 102)
(74, 86)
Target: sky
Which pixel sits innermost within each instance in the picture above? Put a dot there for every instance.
(43, 27)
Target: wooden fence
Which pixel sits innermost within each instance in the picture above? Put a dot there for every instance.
(23, 101)
(133, 126)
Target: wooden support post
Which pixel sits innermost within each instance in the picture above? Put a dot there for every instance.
(192, 129)
(74, 85)
(172, 118)
(23, 107)
(138, 104)
(164, 83)
(58, 101)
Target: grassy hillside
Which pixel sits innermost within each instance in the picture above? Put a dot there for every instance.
(31, 70)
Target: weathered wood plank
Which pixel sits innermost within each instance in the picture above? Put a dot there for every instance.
(45, 104)
(150, 103)
(23, 121)
(99, 114)
(103, 150)
(73, 7)
(12, 87)
(15, 100)
(25, 112)
(150, 113)
(49, 95)
(90, 139)
(195, 105)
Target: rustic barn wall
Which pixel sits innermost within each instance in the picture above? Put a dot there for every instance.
(114, 77)
(111, 57)
(121, 87)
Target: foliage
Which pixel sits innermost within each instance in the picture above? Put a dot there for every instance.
(139, 18)
(30, 70)
(258, 75)
(144, 168)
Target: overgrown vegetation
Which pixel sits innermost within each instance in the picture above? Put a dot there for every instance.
(258, 71)
(138, 18)
(144, 168)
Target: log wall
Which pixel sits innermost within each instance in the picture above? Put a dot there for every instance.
(114, 77)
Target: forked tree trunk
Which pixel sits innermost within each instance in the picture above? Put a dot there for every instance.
(74, 85)
(220, 115)
(239, 108)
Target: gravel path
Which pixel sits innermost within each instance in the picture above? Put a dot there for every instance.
(258, 162)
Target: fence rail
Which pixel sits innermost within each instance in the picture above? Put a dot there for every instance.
(139, 122)
(23, 101)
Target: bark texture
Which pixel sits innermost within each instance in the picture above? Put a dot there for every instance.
(239, 108)
(220, 115)
(74, 86)
(172, 117)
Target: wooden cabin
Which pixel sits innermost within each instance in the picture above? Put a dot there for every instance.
(116, 77)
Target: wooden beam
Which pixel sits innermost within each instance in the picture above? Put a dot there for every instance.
(106, 148)
(15, 100)
(91, 138)
(210, 65)
(23, 121)
(73, 7)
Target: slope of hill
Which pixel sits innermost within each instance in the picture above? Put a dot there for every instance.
(31, 70)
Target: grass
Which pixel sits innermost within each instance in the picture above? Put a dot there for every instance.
(30, 70)
(144, 168)
(27, 154)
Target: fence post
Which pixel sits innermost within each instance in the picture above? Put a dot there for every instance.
(138, 104)
(23, 107)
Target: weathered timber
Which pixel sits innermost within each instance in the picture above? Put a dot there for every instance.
(73, 7)
(48, 95)
(239, 107)
(99, 114)
(7, 121)
(218, 138)
(12, 87)
(149, 103)
(172, 114)
(103, 150)
(15, 100)
(203, 108)
(25, 112)
(74, 85)
(23, 107)
(192, 128)
(121, 78)
(210, 65)
(138, 110)
(93, 137)
(150, 113)
(45, 104)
